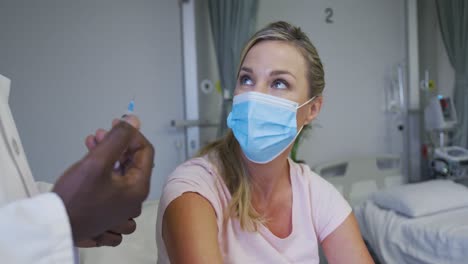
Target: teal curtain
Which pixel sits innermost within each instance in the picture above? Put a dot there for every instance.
(232, 23)
(453, 21)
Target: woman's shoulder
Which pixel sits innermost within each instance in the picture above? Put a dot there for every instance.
(198, 175)
(329, 208)
(199, 168)
(195, 176)
(316, 185)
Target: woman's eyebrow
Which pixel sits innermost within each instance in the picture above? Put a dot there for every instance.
(279, 72)
(247, 69)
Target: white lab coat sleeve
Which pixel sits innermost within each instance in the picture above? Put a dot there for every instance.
(36, 230)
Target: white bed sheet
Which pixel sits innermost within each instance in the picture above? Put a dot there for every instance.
(439, 239)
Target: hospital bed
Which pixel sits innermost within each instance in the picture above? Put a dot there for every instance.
(403, 223)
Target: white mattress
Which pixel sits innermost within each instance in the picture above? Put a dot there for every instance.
(439, 239)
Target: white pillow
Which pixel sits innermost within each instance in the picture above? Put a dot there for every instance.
(419, 199)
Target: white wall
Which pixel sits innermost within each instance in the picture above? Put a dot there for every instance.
(359, 51)
(75, 65)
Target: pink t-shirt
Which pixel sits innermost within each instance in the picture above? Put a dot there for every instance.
(317, 210)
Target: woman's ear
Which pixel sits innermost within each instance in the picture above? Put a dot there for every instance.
(313, 109)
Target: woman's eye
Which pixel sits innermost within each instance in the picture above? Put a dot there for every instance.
(245, 80)
(280, 84)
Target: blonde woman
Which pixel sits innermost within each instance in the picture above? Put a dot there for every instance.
(243, 200)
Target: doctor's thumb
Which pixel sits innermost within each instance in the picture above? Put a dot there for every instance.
(131, 119)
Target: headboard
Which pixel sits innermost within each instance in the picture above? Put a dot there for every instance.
(356, 178)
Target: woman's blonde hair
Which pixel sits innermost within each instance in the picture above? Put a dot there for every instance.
(226, 152)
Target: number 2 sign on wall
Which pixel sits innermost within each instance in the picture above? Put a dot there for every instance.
(329, 15)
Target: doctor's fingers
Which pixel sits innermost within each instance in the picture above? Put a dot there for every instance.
(109, 239)
(92, 140)
(111, 148)
(87, 243)
(131, 119)
(125, 139)
(138, 167)
(126, 228)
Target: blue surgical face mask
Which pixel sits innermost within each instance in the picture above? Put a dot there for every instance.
(264, 125)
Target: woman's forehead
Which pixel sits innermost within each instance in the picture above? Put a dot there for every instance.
(275, 55)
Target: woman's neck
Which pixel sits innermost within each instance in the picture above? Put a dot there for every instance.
(268, 179)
